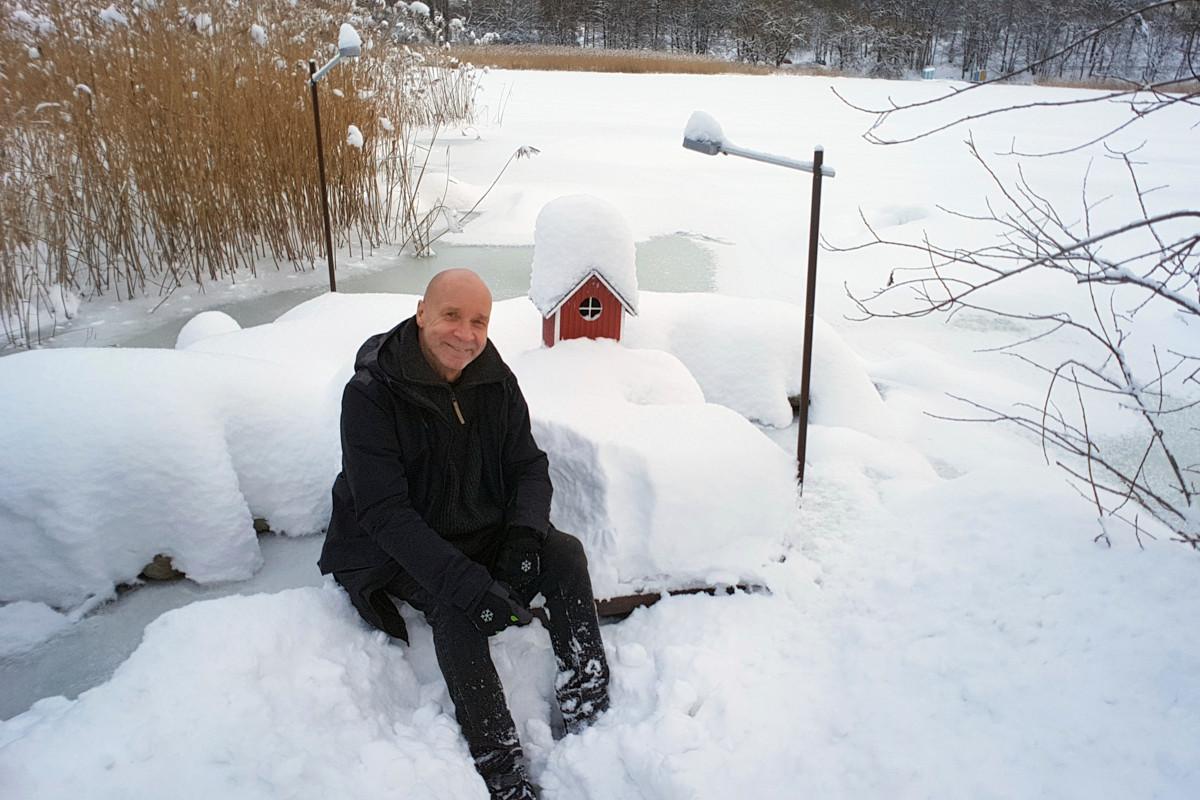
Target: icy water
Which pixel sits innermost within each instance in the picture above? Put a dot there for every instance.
(675, 263)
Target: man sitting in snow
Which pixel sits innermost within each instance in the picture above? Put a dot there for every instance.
(444, 501)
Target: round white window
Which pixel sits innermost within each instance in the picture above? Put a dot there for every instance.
(590, 308)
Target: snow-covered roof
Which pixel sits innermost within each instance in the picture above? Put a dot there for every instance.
(573, 237)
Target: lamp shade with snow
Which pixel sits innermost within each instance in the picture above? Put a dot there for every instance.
(584, 272)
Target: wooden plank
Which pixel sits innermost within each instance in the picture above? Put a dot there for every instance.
(624, 605)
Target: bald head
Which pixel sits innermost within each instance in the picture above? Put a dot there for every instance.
(457, 282)
(453, 318)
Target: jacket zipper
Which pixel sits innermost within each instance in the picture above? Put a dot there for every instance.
(457, 410)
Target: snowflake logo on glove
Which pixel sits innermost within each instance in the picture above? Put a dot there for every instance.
(526, 565)
(486, 615)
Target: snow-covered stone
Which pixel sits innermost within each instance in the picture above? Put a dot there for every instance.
(205, 324)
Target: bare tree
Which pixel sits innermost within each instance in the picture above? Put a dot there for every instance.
(1144, 267)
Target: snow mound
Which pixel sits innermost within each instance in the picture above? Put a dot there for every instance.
(25, 625)
(203, 325)
(189, 711)
(109, 457)
(747, 354)
(664, 490)
(574, 236)
(176, 452)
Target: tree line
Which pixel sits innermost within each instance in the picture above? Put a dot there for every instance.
(882, 38)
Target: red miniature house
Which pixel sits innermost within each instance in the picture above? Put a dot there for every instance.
(584, 274)
(592, 310)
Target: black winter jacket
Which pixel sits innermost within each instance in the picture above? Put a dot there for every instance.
(403, 428)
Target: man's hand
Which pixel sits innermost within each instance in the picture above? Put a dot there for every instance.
(519, 560)
(497, 609)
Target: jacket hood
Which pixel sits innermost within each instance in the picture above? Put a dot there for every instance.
(395, 357)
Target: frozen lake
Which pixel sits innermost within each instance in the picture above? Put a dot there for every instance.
(675, 263)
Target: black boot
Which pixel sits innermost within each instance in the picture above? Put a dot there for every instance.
(510, 785)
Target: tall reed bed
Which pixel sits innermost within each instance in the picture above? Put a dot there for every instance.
(150, 146)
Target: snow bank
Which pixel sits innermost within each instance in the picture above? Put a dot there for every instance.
(747, 354)
(176, 452)
(665, 490)
(109, 457)
(574, 236)
(191, 712)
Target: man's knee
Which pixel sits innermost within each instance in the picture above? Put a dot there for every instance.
(564, 551)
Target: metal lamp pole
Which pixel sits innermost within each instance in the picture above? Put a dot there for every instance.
(349, 46)
(703, 134)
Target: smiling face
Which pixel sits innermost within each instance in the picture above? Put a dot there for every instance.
(453, 318)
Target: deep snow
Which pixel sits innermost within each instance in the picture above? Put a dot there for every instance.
(943, 624)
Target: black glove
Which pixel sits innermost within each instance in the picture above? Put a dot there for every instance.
(497, 609)
(519, 560)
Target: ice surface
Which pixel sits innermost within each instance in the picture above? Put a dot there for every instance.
(574, 236)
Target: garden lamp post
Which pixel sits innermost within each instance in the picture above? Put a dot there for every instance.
(704, 135)
(349, 46)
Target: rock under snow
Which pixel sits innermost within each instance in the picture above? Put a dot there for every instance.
(203, 325)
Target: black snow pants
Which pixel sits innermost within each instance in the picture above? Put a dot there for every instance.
(581, 687)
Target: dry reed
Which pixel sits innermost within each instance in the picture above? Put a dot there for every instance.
(561, 58)
(175, 148)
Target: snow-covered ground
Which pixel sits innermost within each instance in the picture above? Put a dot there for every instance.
(940, 622)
